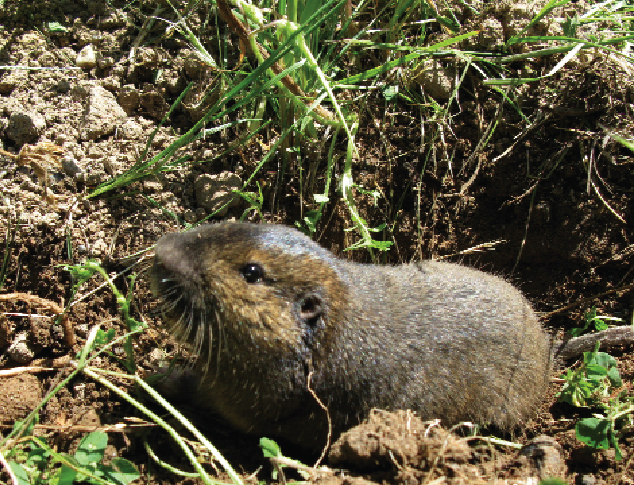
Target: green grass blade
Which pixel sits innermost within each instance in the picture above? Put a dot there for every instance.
(549, 7)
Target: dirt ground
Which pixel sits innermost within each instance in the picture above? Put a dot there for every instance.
(555, 194)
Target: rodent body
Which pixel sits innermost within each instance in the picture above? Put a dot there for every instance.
(264, 307)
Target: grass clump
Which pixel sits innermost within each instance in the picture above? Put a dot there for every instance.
(594, 385)
(593, 322)
(34, 462)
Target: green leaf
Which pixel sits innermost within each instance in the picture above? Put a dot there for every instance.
(122, 471)
(92, 448)
(576, 332)
(104, 338)
(81, 274)
(30, 426)
(594, 432)
(592, 380)
(618, 456)
(382, 245)
(596, 372)
(133, 325)
(20, 473)
(37, 458)
(615, 377)
(56, 27)
(570, 26)
(593, 322)
(602, 359)
(390, 92)
(623, 141)
(270, 448)
(66, 476)
(552, 481)
(378, 228)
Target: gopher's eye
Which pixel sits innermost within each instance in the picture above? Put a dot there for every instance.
(252, 272)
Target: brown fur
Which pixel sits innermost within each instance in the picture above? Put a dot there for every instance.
(445, 340)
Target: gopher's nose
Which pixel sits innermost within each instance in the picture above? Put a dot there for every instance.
(175, 260)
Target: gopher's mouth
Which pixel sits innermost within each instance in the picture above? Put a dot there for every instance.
(172, 297)
(178, 285)
(191, 318)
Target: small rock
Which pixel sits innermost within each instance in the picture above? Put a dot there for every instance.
(491, 34)
(200, 214)
(115, 19)
(80, 390)
(189, 216)
(109, 165)
(437, 79)
(10, 81)
(86, 415)
(214, 191)
(153, 102)
(156, 356)
(105, 62)
(63, 86)
(19, 395)
(111, 83)
(86, 59)
(92, 179)
(39, 333)
(102, 113)
(588, 480)
(192, 64)
(152, 186)
(131, 130)
(5, 330)
(19, 350)
(47, 59)
(82, 329)
(129, 98)
(70, 167)
(544, 457)
(58, 334)
(25, 127)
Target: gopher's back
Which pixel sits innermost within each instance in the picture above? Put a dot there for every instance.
(448, 341)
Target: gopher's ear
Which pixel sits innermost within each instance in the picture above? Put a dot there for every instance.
(310, 308)
(311, 312)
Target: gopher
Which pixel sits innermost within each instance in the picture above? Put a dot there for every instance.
(276, 321)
